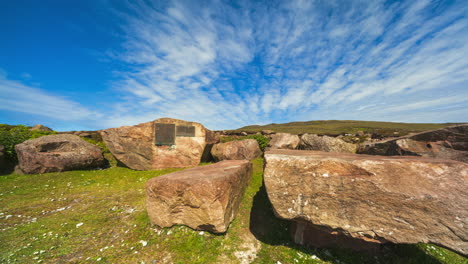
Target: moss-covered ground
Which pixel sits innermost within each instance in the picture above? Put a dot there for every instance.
(99, 217)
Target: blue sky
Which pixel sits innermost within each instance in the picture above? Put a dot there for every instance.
(93, 64)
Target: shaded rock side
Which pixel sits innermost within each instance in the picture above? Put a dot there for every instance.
(54, 153)
(203, 198)
(284, 141)
(372, 198)
(136, 148)
(246, 149)
(325, 143)
(447, 143)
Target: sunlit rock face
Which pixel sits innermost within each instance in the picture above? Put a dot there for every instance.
(247, 149)
(54, 153)
(203, 198)
(162, 143)
(376, 199)
(284, 141)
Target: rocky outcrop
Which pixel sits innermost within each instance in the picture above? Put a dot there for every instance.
(203, 198)
(284, 141)
(447, 143)
(374, 199)
(246, 149)
(40, 127)
(325, 143)
(54, 153)
(181, 144)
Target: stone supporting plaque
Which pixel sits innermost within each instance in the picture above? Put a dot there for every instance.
(185, 131)
(165, 134)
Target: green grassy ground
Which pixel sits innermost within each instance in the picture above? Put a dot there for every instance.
(100, 217)
(336, 127)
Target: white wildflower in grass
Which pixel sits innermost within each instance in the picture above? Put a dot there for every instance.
(143, 243)
(79, 224)
(201, 233)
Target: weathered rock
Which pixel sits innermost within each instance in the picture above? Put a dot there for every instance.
(268, 132)
(373, 198)
(247, 149)
(136, 146)
(325, 143)
(55, 153)
(40, 127)
(284, 141)
(203, 198)
(447, 143)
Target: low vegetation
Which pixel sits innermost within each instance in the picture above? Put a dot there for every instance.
(99, 216)
(13, 135)
(336, 127)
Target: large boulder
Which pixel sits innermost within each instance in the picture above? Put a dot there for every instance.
(54, 153)
(374, 199)
(162, 143)
(284, 141)
(325, 143)
(247, 149)
(447, 143)
(203, 198)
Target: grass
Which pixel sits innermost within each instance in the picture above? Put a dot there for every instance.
(336, 127)
(99, 217)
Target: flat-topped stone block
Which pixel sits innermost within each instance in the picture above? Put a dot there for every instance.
(373, 198)
(203, 198)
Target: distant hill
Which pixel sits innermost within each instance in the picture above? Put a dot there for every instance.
(336, 127)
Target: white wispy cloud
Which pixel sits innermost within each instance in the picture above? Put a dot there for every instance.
(18, 97)
(228, 64)
(258, 62)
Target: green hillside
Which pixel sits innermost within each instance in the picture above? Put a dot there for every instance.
(336, 127)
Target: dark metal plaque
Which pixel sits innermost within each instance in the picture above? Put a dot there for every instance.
(165, 134)
(185, 131)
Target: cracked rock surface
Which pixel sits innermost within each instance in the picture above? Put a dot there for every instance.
(203, 198)
(373, 198)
